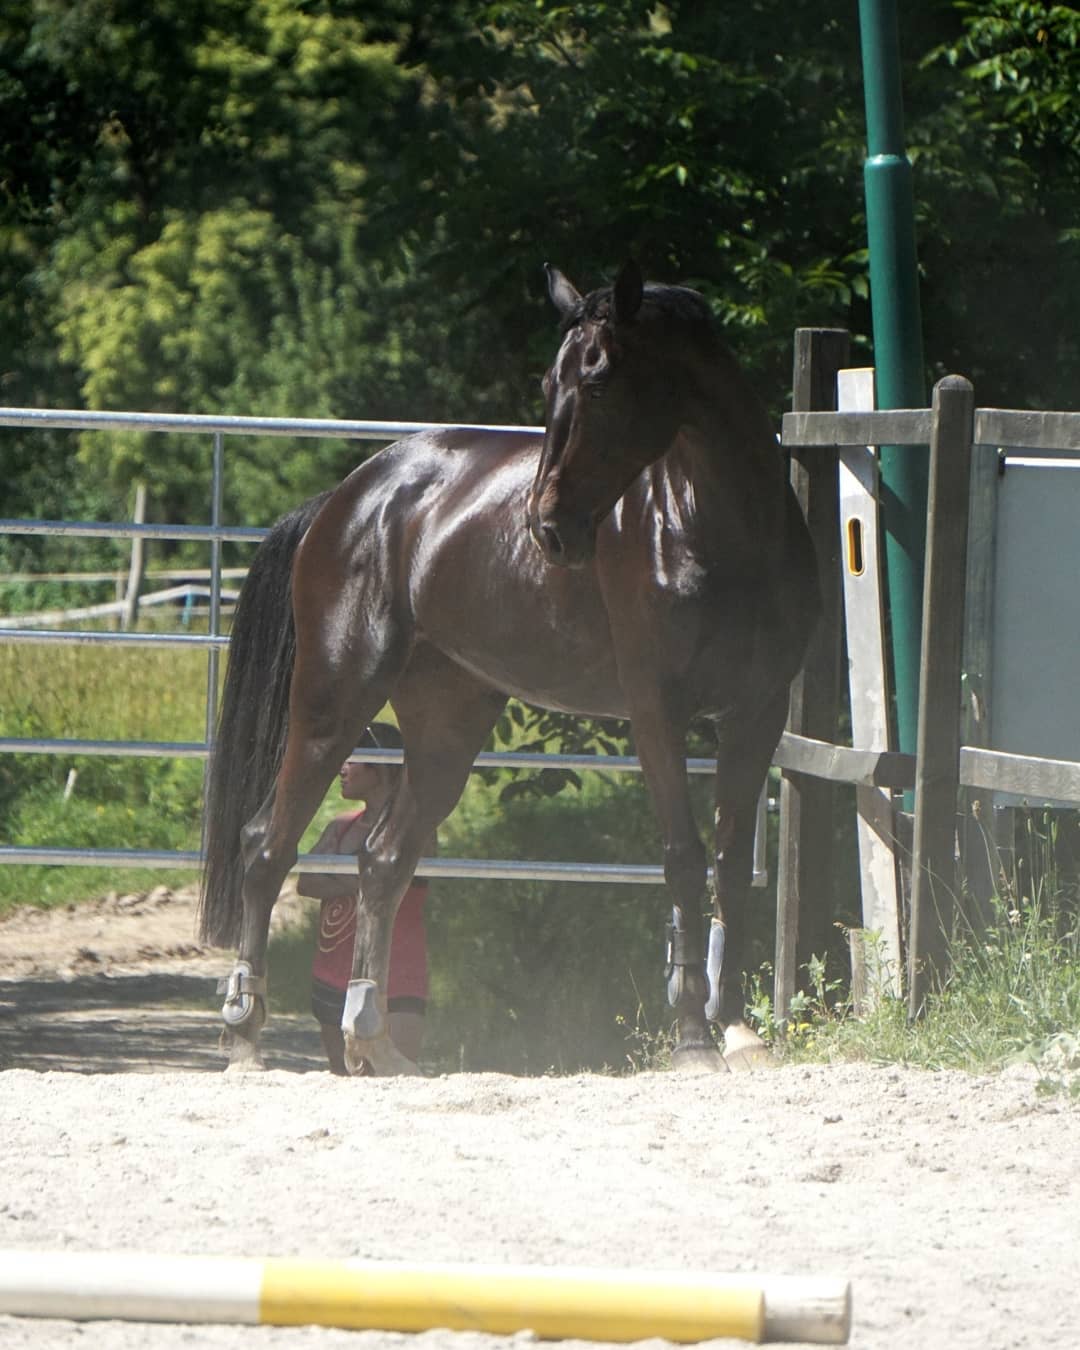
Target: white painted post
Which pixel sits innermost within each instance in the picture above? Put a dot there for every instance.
(876, 956)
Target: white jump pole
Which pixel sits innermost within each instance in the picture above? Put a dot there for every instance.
(601, 1305)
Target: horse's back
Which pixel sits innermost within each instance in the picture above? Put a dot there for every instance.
(406, 489)
(421, 471)
(430, 536)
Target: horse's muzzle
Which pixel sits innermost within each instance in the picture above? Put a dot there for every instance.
(564, 542)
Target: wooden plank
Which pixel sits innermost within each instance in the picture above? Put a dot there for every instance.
(1004, 428)
(803, 883)
(1040, 780)
(897, 426)
(978, 850)
(879, 955)
(937, 764)
(842, 764)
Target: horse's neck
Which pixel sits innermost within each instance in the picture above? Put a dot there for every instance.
(729, 461)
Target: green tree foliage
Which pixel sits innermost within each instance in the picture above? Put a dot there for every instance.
(679, 133)
(723, 146)
(202, 249)
(997, 159)
(341, 209)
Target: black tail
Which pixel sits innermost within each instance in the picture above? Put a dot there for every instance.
(253, 721)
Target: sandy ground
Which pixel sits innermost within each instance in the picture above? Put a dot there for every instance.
(951, 1203)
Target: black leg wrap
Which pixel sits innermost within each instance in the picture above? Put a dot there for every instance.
(684, 952)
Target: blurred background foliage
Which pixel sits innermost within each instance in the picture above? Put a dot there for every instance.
(326, 208)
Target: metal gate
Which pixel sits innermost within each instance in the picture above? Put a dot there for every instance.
(215, 533)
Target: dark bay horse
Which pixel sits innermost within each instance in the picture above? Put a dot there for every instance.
(647, 561)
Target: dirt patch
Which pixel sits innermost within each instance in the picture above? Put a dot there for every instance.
(949, 1201)
(121, 934)
(121, 985)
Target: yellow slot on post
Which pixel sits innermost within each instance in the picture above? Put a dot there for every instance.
(856, 561)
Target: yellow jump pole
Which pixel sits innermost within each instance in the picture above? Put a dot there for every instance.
(599, 1305)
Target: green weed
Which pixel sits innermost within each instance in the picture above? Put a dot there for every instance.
(1013, 994)
(647, 1048)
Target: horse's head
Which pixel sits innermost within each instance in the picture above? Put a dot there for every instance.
(613, 406)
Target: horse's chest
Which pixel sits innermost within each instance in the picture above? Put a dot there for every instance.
(677, 576)
(684, 620)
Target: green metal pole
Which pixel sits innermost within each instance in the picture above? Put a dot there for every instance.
(898, 352)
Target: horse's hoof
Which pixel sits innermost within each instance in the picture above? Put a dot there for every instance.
(379, 1057)
(244, 1060)
(703, 1058)
(244, 1055)
(744, 1050)
(240, 1066)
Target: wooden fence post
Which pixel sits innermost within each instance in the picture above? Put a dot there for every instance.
(804, 880)
(137, 567)
(937, 763)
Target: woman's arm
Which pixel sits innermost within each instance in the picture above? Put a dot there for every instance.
(328, 885)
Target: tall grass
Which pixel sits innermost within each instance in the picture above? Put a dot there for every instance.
(100, 693)
(87, 692)
(1012, 992)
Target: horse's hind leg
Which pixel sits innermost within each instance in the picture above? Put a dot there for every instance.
(328, 710)
(445, 717)
(743, 757)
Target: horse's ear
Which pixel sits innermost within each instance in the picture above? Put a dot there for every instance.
(629, 289)
(563, 294)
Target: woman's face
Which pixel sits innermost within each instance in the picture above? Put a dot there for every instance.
(360, 781)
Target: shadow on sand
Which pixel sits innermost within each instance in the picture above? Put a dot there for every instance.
(148, 1023)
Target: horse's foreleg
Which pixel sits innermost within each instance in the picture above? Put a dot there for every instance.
(365, 1020)
(661, 750)
(387, 862)
(743, 760)
(688, 986)
(445, 717)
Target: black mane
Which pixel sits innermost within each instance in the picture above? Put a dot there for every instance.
(679, 303)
